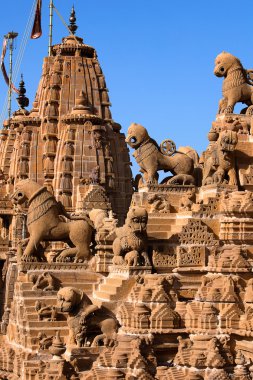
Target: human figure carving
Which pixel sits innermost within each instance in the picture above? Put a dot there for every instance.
(237, 86)
(45, 223)
(151, 159)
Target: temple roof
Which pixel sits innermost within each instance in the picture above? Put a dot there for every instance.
(69, 132)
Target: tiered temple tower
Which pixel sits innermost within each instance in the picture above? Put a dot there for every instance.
(69, 138)
(166, 295)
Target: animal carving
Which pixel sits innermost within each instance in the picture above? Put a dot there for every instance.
(108, 338)
(150, 158)
(237, 86)
(84, 319)
(219, 162)
(131, 258)
(129, 247)
(45, 223)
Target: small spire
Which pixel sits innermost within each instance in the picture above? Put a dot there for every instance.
(72, 26)
(82, 104)
(23, 101)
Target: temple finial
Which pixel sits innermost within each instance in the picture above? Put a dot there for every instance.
(23, 101)
(72, 26)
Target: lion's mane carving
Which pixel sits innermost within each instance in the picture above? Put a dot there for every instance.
(45, 223)
(237, 86)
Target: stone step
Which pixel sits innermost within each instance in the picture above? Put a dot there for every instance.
(76, 277)
(33, 316)
(106, 296)
(64, 275)
(115, 281)
(48, 330)
(113, 288)
(85, 287)
(156, 227)
(176, 229)
(25, 285)
(44, 324)
(161, 221)
(31, 310)
(112, 285)
(107, 288)
(38, 294)
(70, 276)
(159, 235)
(26, 289)
(30, 302)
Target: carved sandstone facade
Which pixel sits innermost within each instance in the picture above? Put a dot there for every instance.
(100, 282)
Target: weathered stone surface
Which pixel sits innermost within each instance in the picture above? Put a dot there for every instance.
(98, 282)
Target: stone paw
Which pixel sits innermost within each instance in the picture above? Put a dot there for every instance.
(81, 260)
(218, 178)
(208, 181)
(118, 260)
(29, 259)
(63, 259)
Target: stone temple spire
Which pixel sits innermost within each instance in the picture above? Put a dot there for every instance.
(70, 134)
(72, 19)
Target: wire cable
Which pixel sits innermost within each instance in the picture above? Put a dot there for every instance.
(64, 23)
(20, 56)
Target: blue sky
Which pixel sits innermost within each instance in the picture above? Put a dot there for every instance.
(157, 56)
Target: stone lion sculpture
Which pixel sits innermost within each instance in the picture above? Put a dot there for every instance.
(150, 158)
(219, 162)
(84, 318)
(45, 223)
(130, 245)
(237, 86)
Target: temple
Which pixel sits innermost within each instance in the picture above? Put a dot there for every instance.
(105, 276)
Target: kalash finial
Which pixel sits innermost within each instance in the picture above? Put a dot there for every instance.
(23, 101)
(72, 26)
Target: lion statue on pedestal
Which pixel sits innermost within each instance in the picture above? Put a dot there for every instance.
(219, 160)
(130, 245)
(151, 158)
(237, 85)
(84, 318)
(45, 222)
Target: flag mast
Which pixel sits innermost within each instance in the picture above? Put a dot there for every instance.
(51, 7)
(10, 37)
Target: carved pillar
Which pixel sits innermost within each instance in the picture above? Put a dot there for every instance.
(66, 181)
(24, 154)
(50, 135)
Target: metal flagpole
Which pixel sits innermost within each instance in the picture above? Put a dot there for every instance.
(10, 36)
(51, 7)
